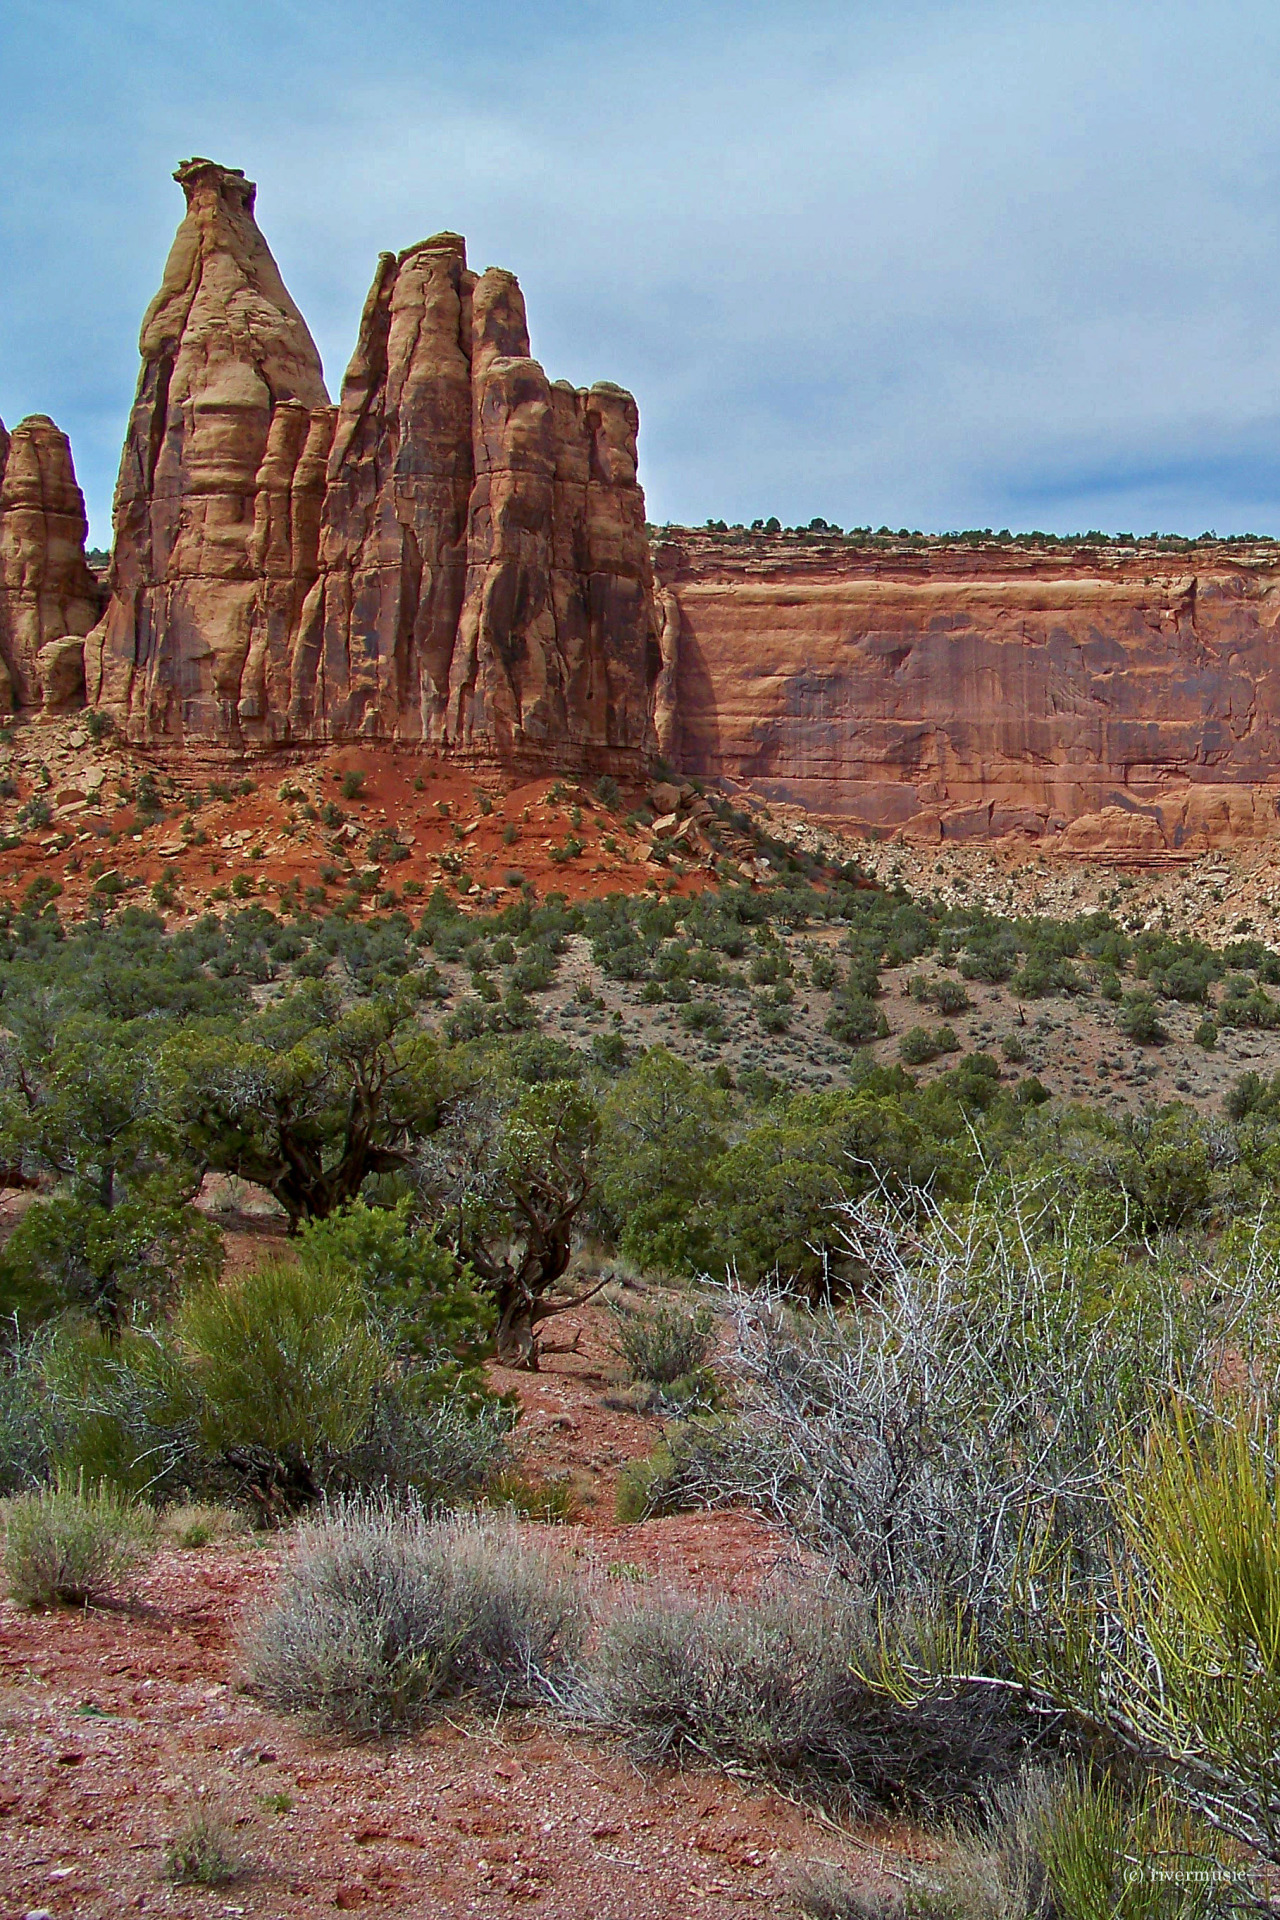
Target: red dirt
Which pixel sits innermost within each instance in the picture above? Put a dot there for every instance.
(256, 845)
(117, 1725)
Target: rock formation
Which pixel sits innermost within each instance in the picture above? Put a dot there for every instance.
(1106, 703)
(456, 556)
(47, 592)
(214, 527)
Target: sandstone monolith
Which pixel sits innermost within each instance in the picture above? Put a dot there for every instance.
(46, 589)
(217, 503)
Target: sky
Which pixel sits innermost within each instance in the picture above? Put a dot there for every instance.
(925, 264)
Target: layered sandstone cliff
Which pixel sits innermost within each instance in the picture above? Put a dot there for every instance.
(1120, 703)
(455, 555)
(47, 593)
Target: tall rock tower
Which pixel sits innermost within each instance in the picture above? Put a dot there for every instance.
(214, 540)
(455, 556)
(47, 593)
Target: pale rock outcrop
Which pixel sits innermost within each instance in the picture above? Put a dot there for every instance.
(60, 670)
(46, 588)
(216, 505)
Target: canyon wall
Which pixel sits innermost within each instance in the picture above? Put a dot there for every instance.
(455, 555)
(1098, 701)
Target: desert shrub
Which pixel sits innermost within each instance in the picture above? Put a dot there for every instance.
(665, 1342)
(1138, 1019)
(855, 1019)
(1206, 1035)
(198, 1526)
(203, 1853)
(1005, 1355)
(1053, 1845)
(643, 1489)
(72, 1545)
(949, 997)
(553, 1501)
(919, 1045)
(1135, 1854)
(1014, 1048)
(700, 1462)
(782, 1689)
(287, 1366)
(384, 1611)
(24, 1434)
(822, 1890)
(1245, 1006)
(1172, 1646)
(1043, 971)
(704, 1017)
(352, 784)
(122, 1412)
(445, 1448)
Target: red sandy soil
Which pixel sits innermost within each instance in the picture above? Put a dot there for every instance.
(117, 1724)
(256, 845)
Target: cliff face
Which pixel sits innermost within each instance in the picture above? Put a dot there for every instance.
(47, 592)
(455, 555)
(1125, 704)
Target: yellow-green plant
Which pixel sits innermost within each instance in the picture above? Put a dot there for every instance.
(1175, 1646)
(287, 1363)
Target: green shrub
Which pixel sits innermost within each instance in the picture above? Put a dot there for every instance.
(384, 1611)
(949, 997)
(704, 1017)
(553, 1501)
(855, 1019)
(1206, 1035)
(1245, 1006)
(203, 1853)
(73, 1545)
(919, 1045)
(1138, 1019)
(352, 784)
(420, 1298)
(287, 1366)
(664, 1342)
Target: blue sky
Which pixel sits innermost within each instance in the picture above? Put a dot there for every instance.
(940, 265)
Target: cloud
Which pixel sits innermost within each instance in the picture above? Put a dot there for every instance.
(940, 264)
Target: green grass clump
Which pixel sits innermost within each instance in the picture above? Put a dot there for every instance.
(203, 1854)
(69, 1547)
